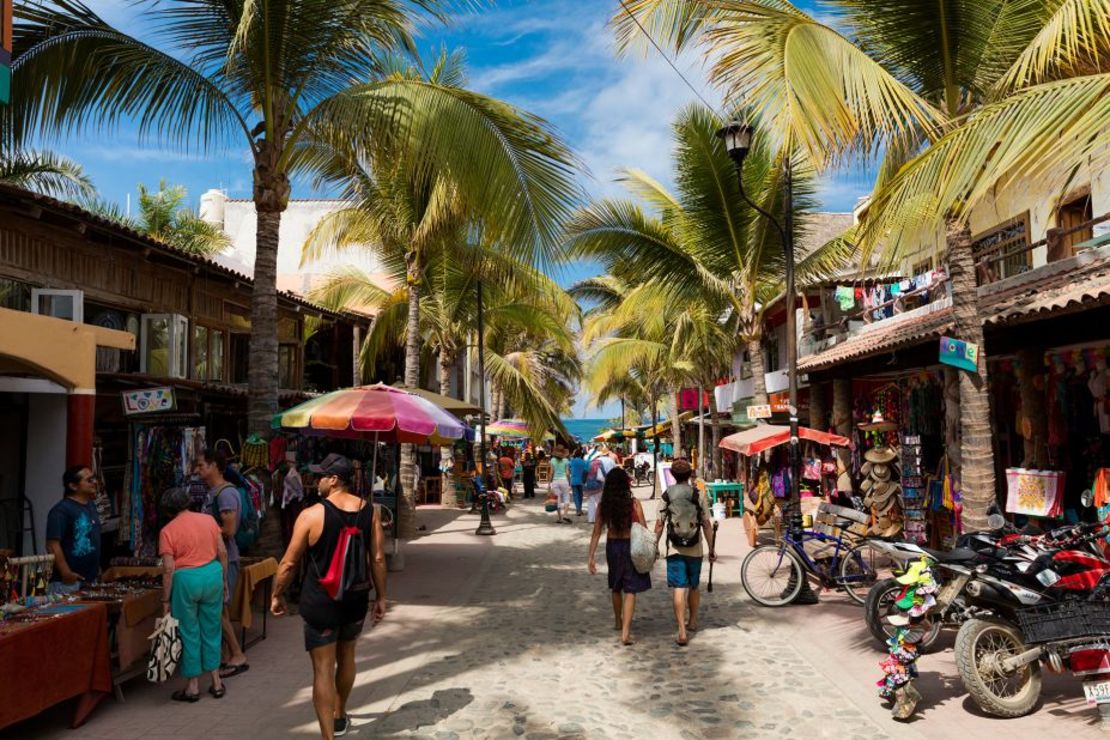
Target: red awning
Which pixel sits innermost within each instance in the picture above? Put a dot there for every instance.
(765, 436)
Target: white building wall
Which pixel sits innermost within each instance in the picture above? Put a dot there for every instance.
(46, 458)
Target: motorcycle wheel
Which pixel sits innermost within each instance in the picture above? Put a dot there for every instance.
(980, 644)
(880, 602)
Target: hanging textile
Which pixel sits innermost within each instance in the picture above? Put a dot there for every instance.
(1037, 493)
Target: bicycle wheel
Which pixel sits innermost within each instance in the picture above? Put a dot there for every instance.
(772, 576)
(857, 573)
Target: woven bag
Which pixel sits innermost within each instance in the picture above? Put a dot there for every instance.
(165, 652)
(643, 548)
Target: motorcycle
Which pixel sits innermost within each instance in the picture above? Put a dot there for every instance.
(643, 474)
(1055, 610)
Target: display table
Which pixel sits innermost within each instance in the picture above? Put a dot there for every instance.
(723, 490)
(253, 572)
(59, 658)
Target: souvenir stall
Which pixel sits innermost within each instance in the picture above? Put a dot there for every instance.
(900, 471)
(764, 451)
(1056, 443)
(36, 674)
(372, 414)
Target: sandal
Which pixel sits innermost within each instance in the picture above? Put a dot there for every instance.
(682, 643)
(183, 695)
(218, 693)
(227, 670)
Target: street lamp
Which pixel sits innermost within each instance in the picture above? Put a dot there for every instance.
(738, 142)
(485, 527)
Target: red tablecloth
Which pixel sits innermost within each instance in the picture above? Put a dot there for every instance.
(54, 660)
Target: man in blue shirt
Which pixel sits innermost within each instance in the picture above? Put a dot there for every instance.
(73, 533)
(578, 469)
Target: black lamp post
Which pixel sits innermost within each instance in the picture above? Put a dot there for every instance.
(738, 142)
(485, 527)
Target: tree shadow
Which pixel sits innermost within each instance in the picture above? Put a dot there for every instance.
(413, 715)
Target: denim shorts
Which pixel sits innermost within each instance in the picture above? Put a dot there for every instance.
(683, 571)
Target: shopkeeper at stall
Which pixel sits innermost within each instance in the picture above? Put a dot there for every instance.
(73, 533)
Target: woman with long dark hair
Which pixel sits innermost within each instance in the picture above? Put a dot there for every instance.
(618, 509)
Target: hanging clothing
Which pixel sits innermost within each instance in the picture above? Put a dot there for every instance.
(845, 297)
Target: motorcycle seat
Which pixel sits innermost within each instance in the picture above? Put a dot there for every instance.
(959, 555)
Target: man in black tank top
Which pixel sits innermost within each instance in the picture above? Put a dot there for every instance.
(334, 600)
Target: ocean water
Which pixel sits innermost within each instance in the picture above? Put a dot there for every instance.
(586, 429)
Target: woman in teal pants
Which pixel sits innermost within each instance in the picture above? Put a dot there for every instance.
(194, 559)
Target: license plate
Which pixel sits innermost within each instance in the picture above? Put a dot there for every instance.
(1097, 692)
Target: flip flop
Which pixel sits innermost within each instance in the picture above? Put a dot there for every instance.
(233, 670)
(183, 695)
(218, 693)
(628, 642)
(682, 643)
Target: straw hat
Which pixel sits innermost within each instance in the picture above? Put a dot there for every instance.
(880, 471)
(844, 483)
(880, 455)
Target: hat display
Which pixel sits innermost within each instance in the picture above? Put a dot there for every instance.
(880, 455)
(880, 471)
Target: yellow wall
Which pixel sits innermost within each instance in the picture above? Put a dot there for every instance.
(63, 351)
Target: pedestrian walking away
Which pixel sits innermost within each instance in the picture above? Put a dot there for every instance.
(223, 502)
(685, 516)
(342, 537)
(578, 471)
(194, 559)
(560, 485)
(619, 509)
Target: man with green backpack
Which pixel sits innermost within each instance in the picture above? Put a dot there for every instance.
(226, 505)
(685, 513)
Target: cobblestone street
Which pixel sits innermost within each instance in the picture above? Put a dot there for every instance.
(509, 636)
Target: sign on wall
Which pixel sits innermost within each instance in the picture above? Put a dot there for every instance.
(958, 353)
(148, 400)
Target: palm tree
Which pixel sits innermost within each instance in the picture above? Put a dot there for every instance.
(702, 241)
(274, 75)
(963, 98)
(162, 216)
(46, 173)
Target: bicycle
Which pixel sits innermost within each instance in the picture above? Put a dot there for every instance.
(784, 565)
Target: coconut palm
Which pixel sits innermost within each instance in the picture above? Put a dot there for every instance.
(963, 97)
(702, 241)
(162, 215)
(272, 75)
(46, 173)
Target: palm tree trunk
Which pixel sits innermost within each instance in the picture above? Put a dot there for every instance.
(759, 379)
(715, 425)
(406, 505)
(977, 484)
(446, 363)
(842, 421)
(271, 196)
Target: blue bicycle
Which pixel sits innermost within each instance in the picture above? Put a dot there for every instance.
(772, 574)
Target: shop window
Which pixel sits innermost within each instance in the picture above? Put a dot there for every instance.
(287, 330)
(287, 366)
(208, 354)
(15, 295)
(61, 304)
(771, 353)
(164, 341)
(1070, 217)
(240, 357)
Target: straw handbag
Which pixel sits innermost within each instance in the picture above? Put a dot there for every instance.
(643, 548)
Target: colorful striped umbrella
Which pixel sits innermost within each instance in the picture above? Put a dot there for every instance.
(380, 412)
(509, 429)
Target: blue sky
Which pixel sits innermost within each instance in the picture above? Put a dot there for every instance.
(554, 58)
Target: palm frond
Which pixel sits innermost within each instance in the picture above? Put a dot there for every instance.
(1072, 41)
(45, 172)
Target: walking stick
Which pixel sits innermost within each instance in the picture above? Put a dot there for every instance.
(716, 524)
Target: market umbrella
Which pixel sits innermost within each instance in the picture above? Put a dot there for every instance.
(609, 435)
(765, 436)
(456, 406)
(509, 429)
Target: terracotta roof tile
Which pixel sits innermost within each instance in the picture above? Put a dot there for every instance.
(886, 336)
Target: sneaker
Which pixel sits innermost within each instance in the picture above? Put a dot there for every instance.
(342, 724)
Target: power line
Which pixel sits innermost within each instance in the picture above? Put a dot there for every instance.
(667, 59)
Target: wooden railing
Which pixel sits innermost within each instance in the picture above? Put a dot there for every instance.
(989, 268)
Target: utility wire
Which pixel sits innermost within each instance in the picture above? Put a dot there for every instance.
(671, 64)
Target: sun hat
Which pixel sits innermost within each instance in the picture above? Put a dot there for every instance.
(880, 455)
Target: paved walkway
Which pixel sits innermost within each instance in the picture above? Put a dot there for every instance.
(509, 636)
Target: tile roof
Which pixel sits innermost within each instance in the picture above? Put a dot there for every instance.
(886, 336)
(139, 239)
